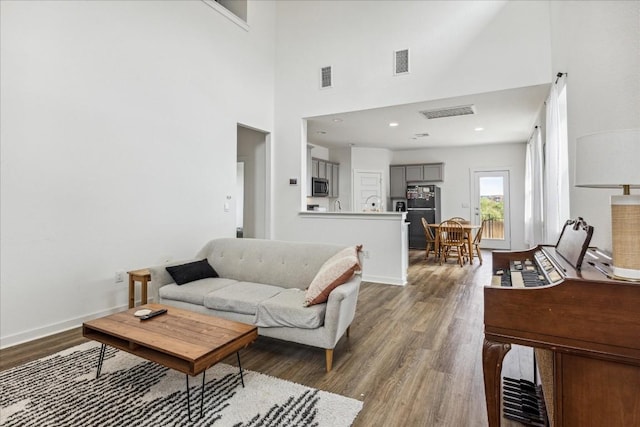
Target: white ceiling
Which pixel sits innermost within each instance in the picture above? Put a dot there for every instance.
(506, 116)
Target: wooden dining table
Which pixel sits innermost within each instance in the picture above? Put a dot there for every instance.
(468, 231)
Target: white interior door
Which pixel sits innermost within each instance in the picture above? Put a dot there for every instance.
(367, 191)
(491, 203)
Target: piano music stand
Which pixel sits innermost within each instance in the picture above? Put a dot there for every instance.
(574, 241)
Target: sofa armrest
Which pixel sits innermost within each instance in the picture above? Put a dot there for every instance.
(346, 290)
(341, 308)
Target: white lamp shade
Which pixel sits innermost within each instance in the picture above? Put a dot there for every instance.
(608, 159)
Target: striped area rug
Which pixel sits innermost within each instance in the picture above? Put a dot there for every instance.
(61, 390)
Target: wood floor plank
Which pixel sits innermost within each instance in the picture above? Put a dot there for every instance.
(413, 357)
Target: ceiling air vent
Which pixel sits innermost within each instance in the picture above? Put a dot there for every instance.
(326, 77)
(461, 110)
(421, 135)
(401, 62)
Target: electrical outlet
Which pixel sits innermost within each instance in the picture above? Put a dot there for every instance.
(119, 277)
(365, 254)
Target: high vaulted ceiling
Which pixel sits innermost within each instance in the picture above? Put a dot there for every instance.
(504, 116)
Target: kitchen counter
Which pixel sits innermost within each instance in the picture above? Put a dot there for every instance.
(346, 214)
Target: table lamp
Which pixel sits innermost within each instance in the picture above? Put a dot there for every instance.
(612, 160)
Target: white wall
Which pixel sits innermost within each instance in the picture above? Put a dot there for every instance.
(457, 48)
(118, 133)
(597, 43)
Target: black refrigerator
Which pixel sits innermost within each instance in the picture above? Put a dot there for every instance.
(423, 201)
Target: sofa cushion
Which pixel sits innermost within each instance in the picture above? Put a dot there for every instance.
(194, 292)
(334, 272)
(242, 297)
(191, 271)
(287, 309)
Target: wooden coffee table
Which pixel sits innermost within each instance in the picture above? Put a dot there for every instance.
(179, 339)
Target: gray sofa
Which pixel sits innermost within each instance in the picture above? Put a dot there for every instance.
(262, 282)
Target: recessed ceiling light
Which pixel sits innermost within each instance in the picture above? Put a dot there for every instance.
(479, 129)
(393, 124)
(337, 120)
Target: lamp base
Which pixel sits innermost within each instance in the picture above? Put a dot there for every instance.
(625, 234)
(626, 273)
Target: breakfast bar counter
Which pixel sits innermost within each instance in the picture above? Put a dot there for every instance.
(384, 236)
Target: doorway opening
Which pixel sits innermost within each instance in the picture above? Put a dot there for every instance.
(251, 183)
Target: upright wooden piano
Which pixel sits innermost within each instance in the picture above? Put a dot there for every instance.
(584, 326)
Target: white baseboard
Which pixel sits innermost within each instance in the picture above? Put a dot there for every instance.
(386, 280)
(45, 331)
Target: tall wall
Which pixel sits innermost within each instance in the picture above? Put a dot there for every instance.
(118, 133)
(598, 44)
(457, 48)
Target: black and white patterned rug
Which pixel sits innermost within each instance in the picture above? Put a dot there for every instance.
(61, 390)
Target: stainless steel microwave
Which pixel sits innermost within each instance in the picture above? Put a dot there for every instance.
(319, 187)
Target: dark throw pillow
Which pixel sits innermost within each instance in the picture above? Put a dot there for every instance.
(191, 271)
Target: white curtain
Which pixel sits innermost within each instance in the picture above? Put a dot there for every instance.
(534, 184)
(556, 188)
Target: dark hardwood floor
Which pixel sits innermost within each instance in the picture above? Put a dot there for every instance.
(413, 356)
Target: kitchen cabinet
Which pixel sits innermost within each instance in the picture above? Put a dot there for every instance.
(319, 168)
(397, 182)
(433, 172)
(334, 179)
(322, 169)
(413, 172)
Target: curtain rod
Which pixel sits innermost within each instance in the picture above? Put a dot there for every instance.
(558, 76)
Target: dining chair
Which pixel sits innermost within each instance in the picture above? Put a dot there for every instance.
(451, 238)
(431, 239)
(459, 219)
(464, 222)
(476, 241)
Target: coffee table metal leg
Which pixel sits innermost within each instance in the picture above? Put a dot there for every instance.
(188, 398)
(101, 359)
(202, 394)
(240, 366)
